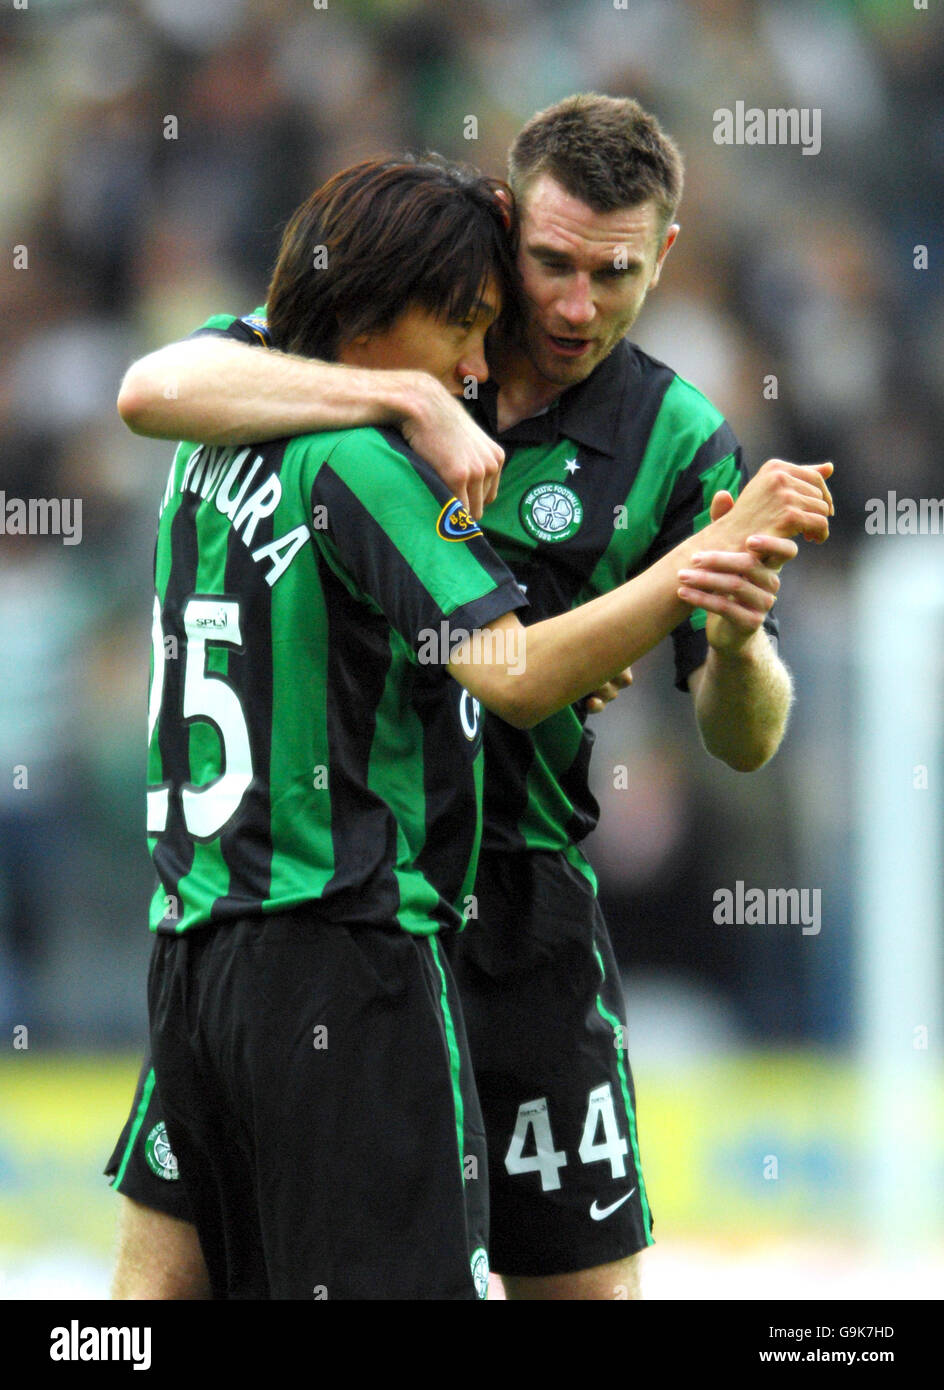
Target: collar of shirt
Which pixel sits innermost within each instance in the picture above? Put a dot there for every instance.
(589, 413)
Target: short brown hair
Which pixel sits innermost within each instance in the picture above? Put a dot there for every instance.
(606, 151)
(392, 233)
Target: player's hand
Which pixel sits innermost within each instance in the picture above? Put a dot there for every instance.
(721, 504)
(782, 499)
(602, 697)
(737, 589)
(442, 432)
(770, 550)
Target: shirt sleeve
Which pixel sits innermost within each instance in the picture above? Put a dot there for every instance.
(409, 546)
(251, 328)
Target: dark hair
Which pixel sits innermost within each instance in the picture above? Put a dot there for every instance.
(382, 236)
(606, 151)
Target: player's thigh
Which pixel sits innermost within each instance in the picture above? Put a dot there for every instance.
(618, 1281)
(158, 1256)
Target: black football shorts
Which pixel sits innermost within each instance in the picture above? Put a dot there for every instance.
(317, 1094)
(143, 1165)
(544, 1010)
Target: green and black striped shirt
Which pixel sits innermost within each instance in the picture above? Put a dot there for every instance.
(618, 471)
(300, 749)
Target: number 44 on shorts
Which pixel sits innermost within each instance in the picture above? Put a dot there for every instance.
(533, 1120)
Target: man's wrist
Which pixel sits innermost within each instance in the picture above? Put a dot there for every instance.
(748, 653)
(407, 395)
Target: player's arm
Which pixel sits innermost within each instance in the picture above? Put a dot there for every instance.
(742, 704)
(743, 691)
(221, 391)
(528, 674)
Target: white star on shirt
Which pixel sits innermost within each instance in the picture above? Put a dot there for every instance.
(571, 465)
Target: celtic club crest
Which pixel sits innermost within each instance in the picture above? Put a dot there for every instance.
(551, 512)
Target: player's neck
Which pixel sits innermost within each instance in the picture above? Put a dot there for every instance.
(522, 392)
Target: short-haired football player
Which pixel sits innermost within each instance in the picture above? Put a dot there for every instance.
(612, 460)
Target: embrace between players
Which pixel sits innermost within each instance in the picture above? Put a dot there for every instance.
(386, 1021)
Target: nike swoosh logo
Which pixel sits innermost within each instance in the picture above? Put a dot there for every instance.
(601, 1213)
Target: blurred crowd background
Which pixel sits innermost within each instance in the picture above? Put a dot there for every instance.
(152, 150)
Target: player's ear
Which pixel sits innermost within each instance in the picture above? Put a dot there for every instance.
(354, 352)
(668, 241)
(503, 197)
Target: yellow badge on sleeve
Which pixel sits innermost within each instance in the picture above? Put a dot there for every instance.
(456, 523)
